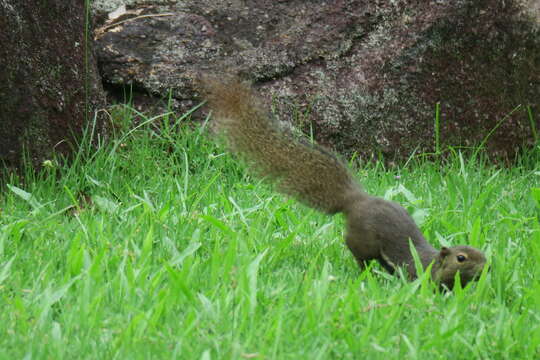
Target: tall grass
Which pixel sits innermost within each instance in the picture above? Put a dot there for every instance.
(159, 245)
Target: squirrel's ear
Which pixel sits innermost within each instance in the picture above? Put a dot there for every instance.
(444, 252)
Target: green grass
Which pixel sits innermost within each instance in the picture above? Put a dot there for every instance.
(160, 246)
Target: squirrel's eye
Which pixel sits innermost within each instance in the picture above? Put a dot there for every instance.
(461, 258)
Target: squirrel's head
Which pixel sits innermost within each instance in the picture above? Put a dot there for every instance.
(466, 260)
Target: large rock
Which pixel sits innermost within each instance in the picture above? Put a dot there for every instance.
(363, 76)
(49, 86)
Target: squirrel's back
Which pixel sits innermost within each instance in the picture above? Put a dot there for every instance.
(303, 170)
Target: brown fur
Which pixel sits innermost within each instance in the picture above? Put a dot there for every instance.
(376, 229)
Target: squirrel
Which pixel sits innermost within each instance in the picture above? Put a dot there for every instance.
(376, 229)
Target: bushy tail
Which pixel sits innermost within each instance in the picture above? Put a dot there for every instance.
(308, 172)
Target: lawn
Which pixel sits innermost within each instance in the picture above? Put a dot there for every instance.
(160, 245)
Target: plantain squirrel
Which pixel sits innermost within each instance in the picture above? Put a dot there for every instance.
(377, 229)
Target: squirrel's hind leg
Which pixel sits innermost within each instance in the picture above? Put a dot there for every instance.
(363, 250)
